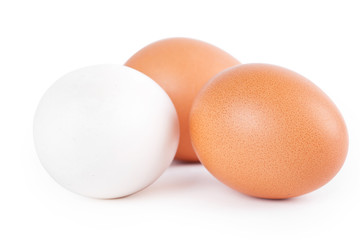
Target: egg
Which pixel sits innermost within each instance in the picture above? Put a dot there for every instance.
(105, 131)
(181, 66)
(268, 132)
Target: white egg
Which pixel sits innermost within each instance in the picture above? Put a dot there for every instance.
(106, 131)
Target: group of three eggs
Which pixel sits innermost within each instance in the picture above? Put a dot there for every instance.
(108, 131)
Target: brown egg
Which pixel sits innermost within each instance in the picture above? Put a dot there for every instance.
(268, 132)
(181, 67)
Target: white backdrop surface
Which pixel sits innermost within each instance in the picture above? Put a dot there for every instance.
(42, 40)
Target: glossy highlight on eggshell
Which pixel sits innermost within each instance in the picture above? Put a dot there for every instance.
(268, 132)
(181, 66)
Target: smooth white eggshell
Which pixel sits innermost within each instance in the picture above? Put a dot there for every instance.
(106, 131)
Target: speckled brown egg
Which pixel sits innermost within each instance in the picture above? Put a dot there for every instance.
(181, 66)
(268, 132)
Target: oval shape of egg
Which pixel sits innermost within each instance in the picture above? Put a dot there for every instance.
(105, 131)
(268, 132)
(181, 67)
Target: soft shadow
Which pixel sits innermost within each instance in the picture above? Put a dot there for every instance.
(183, 179)
(179, 177)
(178, 162)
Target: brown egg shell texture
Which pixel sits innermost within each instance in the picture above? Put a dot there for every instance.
(268, 132)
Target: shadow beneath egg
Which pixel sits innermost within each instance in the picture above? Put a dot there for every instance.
(191, 182)
(177, 162)
(179, 176)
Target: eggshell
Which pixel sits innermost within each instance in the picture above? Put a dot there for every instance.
(105, 131)
(268, 132)
(181, 67)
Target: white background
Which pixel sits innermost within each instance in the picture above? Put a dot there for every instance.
(42, 40)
